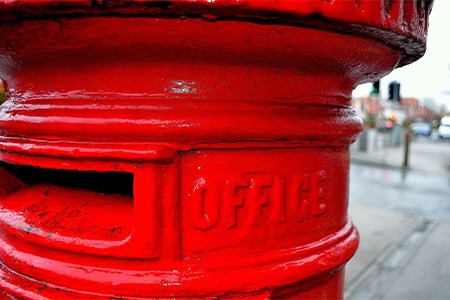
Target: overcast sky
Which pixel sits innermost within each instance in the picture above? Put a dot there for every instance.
(428, 77)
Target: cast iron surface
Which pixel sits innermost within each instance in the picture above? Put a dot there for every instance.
(186, 149)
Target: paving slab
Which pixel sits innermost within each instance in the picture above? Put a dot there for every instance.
(427, 274)
(378, 229)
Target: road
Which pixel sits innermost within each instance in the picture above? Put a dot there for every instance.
(412, 192)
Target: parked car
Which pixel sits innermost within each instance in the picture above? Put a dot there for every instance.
(444, 129)
(420, 128)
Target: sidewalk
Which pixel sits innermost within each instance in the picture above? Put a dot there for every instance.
(401, 256)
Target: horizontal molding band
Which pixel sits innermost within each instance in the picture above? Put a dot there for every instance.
(148, 133)
(271, 269)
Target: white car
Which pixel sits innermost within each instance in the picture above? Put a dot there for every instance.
(444, 129)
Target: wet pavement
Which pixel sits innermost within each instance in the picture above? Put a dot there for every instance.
(412, 192)
(403, 216)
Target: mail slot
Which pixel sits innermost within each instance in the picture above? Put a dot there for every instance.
(186, 149)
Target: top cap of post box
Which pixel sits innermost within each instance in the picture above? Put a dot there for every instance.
(401, 24)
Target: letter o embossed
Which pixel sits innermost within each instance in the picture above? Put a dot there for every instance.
(204, 205)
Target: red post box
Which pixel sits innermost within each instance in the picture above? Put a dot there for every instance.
(177, 149)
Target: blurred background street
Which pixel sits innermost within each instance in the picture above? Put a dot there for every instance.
(403, 216)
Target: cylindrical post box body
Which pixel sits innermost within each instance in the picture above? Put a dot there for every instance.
(155, 149)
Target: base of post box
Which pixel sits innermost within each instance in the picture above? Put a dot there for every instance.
(278, 280)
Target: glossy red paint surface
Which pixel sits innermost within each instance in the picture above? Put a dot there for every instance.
(146, 155)
(402, 24)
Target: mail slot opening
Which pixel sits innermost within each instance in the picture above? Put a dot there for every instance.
(101, 182)
(57, 205)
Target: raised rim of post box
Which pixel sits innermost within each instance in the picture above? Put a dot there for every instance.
(401, 24)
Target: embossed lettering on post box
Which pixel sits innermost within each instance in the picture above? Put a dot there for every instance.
(298, 197)
(245, 197)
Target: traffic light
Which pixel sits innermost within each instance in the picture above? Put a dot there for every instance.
(393, 117)
(394, 91)
(375, 88)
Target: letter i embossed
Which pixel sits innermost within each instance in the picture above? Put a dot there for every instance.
(278, 200)
(300, 203)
